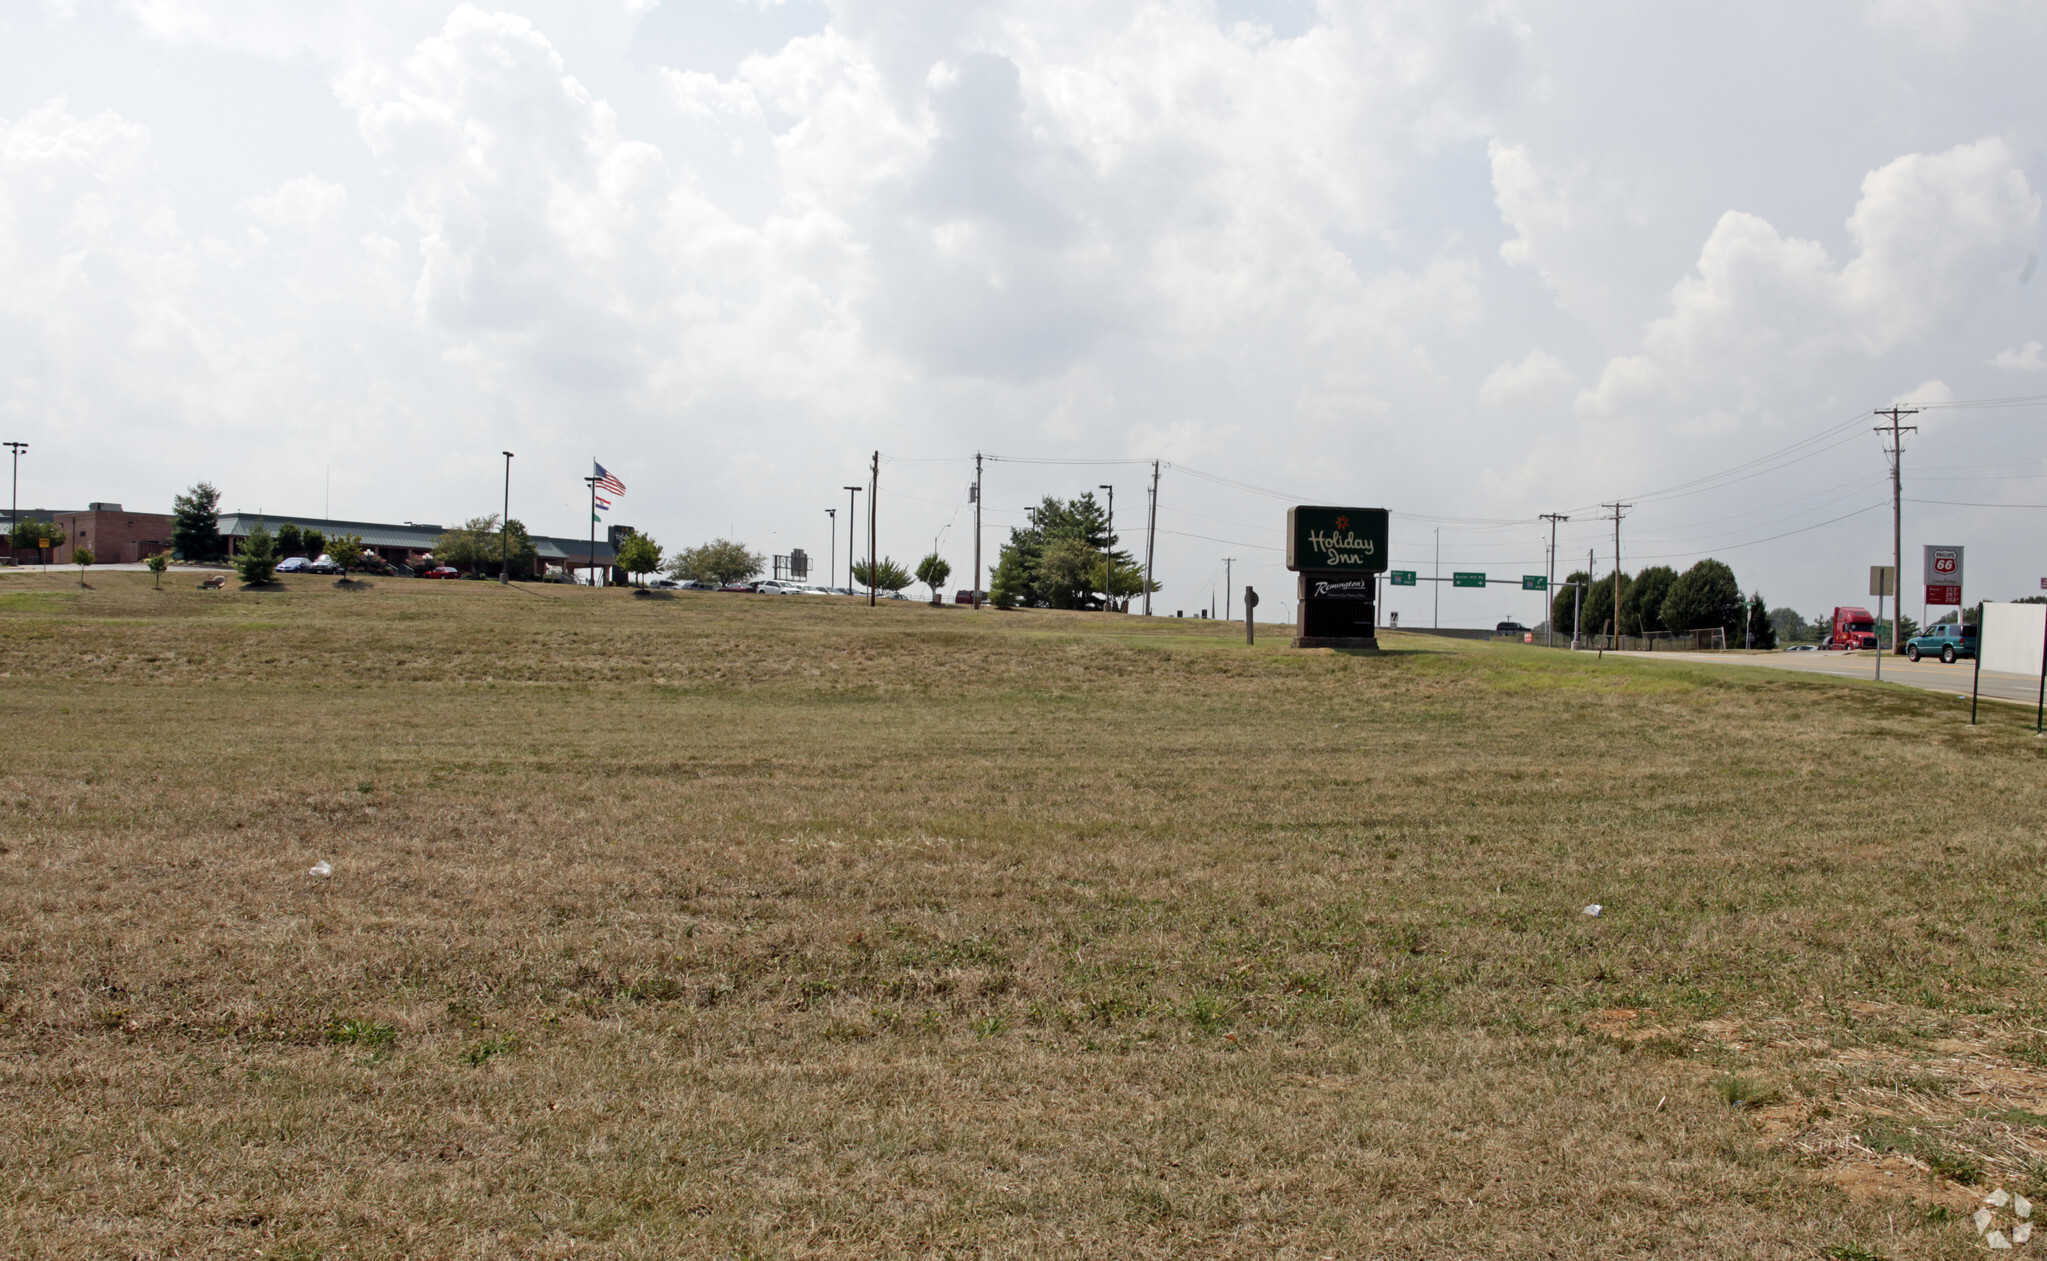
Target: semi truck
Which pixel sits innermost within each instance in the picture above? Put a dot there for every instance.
(1853, 628)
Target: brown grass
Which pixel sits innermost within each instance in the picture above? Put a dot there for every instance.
(746, 926)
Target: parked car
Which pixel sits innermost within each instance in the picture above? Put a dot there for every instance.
(967, 597)
(442, 571)
(817, 591)
(293, 565)
(692, 584)
(1510, 628)
(737, 586)
(323, 564)
(661, 584)
(1946, 641)
(1803, 648)
(775, 586)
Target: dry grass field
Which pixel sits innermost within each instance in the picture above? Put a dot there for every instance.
(734, 926)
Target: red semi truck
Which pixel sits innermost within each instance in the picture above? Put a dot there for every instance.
(1853, 628)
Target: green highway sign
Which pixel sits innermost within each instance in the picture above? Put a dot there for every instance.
(1534, 582)
(1341, 540)
(1405, 578)
(1467, 580)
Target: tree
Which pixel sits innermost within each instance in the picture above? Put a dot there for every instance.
(289, 541)
(1056, 561)
(156, 562)
(195, 534)
(345, 550)
(1642, 601)
(257, 559)
(36, 535)
(313, 542)
(479, 546)
(1788, 626)
(1599, 604)
(639, 555)
(932, 571)
(1706, 596)
(719, 561)
(1762, 631)
(82, 557)
(882, 575)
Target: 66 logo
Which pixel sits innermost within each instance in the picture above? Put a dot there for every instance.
(1944, 562)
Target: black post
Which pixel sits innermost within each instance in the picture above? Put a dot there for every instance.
(1976, 684)
(1250, 616)
(14, 505)
(873, 489)
(2041, 712)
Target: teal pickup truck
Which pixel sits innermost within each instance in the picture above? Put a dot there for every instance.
(1946, 641)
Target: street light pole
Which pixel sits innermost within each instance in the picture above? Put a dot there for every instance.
(592, 574)
(14, 505)
(505, 528)
(1108, 546)
(833, 530)
(852, 524)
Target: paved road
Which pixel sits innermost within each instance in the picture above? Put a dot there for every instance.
(1928, 673)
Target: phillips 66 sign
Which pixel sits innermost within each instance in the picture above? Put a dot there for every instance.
(1943, 576)
(1345, 540)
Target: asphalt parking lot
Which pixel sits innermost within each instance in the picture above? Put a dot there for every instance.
(1926, 673)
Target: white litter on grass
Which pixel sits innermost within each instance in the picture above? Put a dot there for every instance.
(1594, 910)
(1996, 1240)
(2022, 1232)
(2021, 1205)
(1982, 1220)
(321, 868)
(1998, 1198)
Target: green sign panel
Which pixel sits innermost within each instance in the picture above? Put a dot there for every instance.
(1405, 578)
(1467, 580)
(1344, 540)
(1534, 582)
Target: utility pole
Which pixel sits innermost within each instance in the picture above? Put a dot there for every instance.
(833, 571)
(1436, 587)
(1550, 591)
(1578, 601)
(1227, 579)
(873, 492)
(592, 569)
(1108, 547)
(977, 529)
(852, 523)
(14, 505)
(1618, 510)
(1151, 534)
(505, 551)
(1897, 455)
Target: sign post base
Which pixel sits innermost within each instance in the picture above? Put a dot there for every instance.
(1347, 643)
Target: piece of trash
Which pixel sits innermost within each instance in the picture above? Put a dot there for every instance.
(1997, 1241)
(1998, 1198)
(321, 868)
(2021, 1205)
(2022, 1232)
(1594, 910)
(1981, 1218)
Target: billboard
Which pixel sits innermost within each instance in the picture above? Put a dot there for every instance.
(1343, 540)
(1943, 575)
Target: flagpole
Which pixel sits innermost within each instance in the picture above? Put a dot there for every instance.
(593, 529)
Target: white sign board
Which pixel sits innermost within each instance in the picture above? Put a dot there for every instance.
(2012, 637)
(1943, 566)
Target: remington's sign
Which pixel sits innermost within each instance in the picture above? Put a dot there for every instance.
(1345, 540)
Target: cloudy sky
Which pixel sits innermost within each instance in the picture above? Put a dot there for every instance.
(1472, 262)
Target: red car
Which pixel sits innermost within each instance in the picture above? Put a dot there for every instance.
(442, 571)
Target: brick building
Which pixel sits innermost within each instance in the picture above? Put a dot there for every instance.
(115, 535)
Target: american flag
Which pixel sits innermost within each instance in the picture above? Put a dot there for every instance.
(606, 482)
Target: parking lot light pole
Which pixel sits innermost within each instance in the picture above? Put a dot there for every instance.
(833, 571)
(852, 524)
(505, 528)
(14, 504)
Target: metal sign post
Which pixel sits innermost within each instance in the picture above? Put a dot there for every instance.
(1883, 581)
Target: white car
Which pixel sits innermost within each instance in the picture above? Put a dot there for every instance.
(773, 587)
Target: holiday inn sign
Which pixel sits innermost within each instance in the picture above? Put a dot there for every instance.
(1339, 540)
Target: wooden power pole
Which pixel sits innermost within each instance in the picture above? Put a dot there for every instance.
(1897, 455)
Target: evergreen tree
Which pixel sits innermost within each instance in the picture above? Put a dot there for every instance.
(1057, 560)
(195, 534)
(1706, 596)
(313, 542)
(882, 575)
(289, 541)
(1761, 626)
(257, 559)
(1565, 604)
(1642, 600)
(1599, 605)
